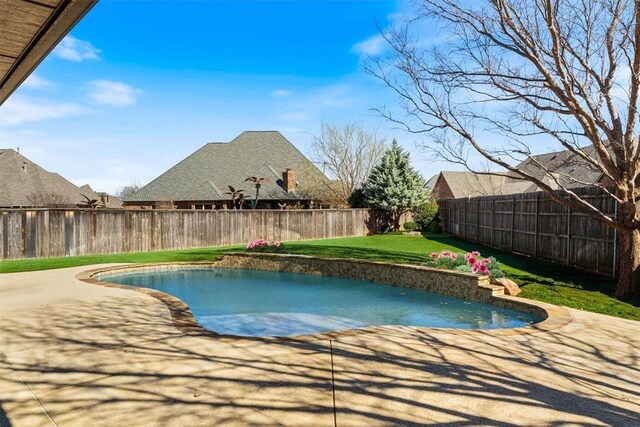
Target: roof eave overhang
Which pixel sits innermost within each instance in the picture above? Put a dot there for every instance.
(63, 18)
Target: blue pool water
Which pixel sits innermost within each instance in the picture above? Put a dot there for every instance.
(267, 303)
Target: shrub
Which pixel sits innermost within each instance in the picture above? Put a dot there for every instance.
(268, 246)
(471, 262)
(357, 199)
(410, 225)
(433, 227)
(424, 214)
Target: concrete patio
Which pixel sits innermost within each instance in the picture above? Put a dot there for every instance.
(72, 354)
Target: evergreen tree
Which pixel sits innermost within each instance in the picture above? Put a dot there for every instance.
(393, 185)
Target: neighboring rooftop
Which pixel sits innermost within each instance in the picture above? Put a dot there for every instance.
(562, 164)
(568, 168)
(207, 173)
(468, 184)
(26, 184)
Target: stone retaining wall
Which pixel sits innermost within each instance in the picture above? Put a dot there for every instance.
(452, 283)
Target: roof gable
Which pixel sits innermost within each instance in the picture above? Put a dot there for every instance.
(562, 164)
(207, 173)
(26, 184)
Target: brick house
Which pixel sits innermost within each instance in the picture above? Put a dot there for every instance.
(201, 180)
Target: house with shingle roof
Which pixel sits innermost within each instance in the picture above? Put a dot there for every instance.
(202, 180)
(24, 184)
(566, 167)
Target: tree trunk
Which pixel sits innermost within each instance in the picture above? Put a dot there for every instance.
(255, 205)
(396, 220)
(629, 265)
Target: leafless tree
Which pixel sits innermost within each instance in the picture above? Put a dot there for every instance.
(128, 190)
(348, 152)
(49, 200)
(510, 75)
(319, 189)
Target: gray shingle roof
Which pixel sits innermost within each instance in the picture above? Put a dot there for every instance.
(26, 184)
(469, 184)
(207, 173)
(431, 183)
(563, 164)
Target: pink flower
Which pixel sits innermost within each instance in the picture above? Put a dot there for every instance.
(445, 253)
(472, 260)
(475, 253)
(434, 255)
(453, 255)
(468, 255)
(486, 261)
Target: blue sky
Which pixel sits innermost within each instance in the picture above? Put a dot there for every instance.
(139, 85)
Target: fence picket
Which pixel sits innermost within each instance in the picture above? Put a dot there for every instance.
(533, 224)
(45, 233)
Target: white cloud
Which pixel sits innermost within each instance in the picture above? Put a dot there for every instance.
(374, 45)
(36, 82)
(281, 93)
(18, 110)
(76, 50)
(337, 96)
(107, 92)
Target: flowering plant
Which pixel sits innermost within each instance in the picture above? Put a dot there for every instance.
(471, 262)
(262, 245)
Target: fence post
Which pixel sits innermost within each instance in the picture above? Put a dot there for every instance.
(535, 235)
(446, 215)
(513, 219)
(478, 221)
(493, 218)
(464, 219)
(569, 232)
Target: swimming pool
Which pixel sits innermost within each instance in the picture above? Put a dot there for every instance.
(267, 303)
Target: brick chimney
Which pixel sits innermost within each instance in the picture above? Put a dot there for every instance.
(289, 180)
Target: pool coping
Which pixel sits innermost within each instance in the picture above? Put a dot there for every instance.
(555, 317)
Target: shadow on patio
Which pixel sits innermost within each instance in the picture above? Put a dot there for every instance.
(119, 360)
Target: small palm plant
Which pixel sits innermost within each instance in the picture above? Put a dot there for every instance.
(237, 198)
(257, 182)
(88, 203)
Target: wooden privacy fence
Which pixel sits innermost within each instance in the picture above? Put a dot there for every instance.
(533, 224)
(44, 233)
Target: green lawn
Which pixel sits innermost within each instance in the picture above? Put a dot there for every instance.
(539, 280)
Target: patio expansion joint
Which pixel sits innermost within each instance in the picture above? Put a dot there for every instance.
(333, 385)
(4, 358)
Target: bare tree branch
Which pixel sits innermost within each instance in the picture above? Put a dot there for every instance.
(526, 71)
